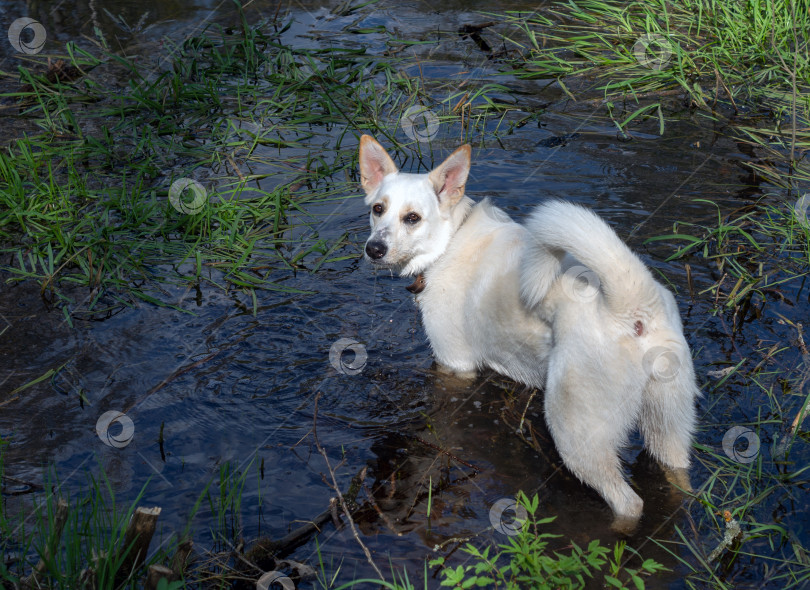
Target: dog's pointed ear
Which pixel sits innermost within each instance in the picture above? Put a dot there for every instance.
(375, 164)
(450, 177)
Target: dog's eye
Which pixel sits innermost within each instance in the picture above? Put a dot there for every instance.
(412, 218)
(378, 209)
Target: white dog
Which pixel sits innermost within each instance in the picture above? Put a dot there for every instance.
(560, 303)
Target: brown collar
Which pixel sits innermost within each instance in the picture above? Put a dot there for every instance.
(418, 284)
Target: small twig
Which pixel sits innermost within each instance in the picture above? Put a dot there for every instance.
(689, 282)
(34, 486)
(802, 345)
(268, 551)
(336, 488)
(235, 167)
(526, 409)
(797, 421)
(333, 511)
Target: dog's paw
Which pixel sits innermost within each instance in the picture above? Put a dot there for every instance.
(627, 516)
(625, 525)
(679, 477)
(459, 374)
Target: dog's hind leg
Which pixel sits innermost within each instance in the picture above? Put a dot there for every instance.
(590, 414)
(667, 419)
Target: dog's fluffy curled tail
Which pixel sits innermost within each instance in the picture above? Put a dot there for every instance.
(558, 227)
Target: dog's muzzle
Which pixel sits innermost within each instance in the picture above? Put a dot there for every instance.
(376, 249)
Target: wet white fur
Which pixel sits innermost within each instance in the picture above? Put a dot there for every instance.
(505, 296)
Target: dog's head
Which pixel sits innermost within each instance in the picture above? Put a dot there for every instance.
(413, 216)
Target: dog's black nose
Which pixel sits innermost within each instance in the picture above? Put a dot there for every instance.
(376, 250)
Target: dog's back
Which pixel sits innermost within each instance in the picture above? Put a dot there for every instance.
(471, 307)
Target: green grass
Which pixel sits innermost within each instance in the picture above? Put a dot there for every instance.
(92, 537)
(525, 562)
(94, 533)
(96, 527)
(267, 130)
(748, 58)
(761, 249)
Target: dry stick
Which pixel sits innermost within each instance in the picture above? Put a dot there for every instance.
(59, 520)
(235, 167)
(797, 421)
(136, 542)
(802, 345)
(335, 487)
(267, 550)
(526, 409)
(689, 281)
(181, 556)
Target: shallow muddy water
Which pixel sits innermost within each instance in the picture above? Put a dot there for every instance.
(225, 385)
